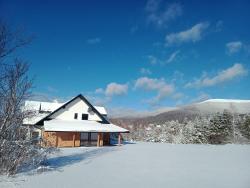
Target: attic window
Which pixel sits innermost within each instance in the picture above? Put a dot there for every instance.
(76, 116)
(85, 116)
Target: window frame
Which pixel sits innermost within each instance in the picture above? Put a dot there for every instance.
(86, 115)
(76, 116)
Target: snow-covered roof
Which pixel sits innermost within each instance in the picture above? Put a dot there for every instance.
(52, 106)
(42, 106)
(34, 118)
(101, 110)
(81, 126)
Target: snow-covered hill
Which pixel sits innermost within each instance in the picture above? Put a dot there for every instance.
(211, 106)
(219, 105)
(204, 107)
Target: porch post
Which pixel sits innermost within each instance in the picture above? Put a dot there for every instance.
(74, 139)
(101, 139)
(56, 140)
(119, 139)
(98, 139)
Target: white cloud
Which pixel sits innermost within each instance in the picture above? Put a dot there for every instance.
(152, 84)
(193, 34)
(237, 70)
(173, 56)
(234, 47)
(103, 96)
(93, 40)
(149, 83)
(161, 16)
(113, 89)
(145, 71)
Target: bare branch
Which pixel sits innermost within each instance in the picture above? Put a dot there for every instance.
(11, 41)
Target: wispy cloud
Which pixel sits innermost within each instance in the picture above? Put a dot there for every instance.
(162, 88)
(159, 14)
(193, 34)
(234, 47)
(52, 89)
(237, 70)
(99, 91)
(201, 97)
(145, 71)
(153, 60)
(93, 40)
(173, 56)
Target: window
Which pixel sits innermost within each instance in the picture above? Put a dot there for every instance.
(76, 116)
(85, 116)
(35, 137)
(93, 136)
(88, 139)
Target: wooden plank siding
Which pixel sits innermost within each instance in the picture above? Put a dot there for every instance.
(70, 139)
(61, 139)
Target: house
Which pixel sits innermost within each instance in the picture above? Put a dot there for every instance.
(71, 124)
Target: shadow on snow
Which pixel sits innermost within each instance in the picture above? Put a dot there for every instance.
(56, 163)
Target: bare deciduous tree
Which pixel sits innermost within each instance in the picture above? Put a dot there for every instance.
(15, 87)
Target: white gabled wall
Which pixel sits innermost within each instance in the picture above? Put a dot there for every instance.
(77, 106)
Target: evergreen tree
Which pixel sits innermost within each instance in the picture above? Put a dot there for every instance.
(245, 128)
(221, 128)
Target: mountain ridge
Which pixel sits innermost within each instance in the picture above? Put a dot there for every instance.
(190, 111)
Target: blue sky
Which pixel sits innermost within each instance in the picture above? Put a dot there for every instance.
(138, 55)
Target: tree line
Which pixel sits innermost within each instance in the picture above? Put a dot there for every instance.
(219, 128)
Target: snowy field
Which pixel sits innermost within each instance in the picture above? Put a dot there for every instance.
(143, 165)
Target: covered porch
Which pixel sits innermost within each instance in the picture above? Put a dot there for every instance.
(59, 133)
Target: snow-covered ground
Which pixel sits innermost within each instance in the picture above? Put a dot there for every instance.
(143, 165)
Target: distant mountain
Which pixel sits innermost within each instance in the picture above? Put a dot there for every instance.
(189, 112)
(219, 105)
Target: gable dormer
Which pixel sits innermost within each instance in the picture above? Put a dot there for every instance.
(77, 108)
